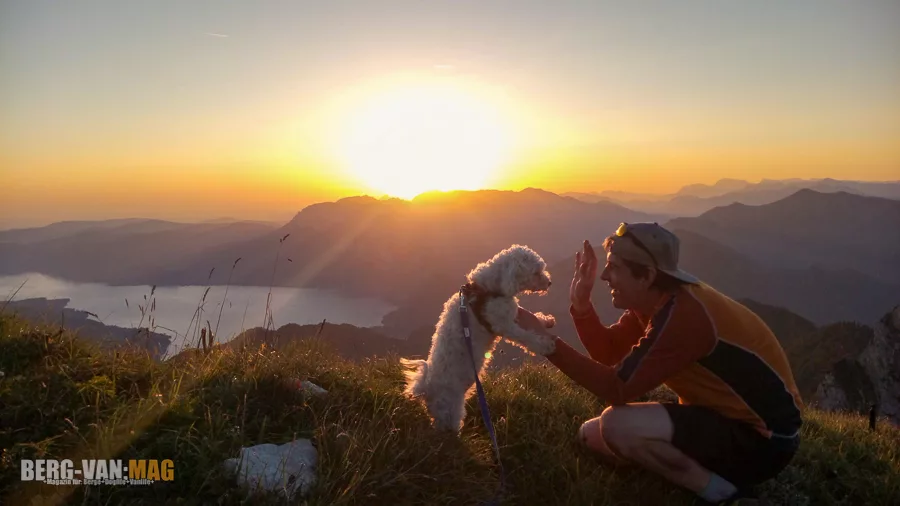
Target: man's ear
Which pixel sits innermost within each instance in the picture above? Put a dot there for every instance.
(651, 277)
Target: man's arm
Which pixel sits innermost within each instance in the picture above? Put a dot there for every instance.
(678, 337)
(607, 345)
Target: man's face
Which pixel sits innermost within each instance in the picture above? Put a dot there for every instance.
(625, 289)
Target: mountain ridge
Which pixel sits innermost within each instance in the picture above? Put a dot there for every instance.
(693, 200)
(837, 230)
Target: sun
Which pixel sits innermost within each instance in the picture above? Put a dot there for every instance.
(412, 139)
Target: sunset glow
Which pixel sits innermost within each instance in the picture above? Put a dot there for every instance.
(413, 139)
(263, 108)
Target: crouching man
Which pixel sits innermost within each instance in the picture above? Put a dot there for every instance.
(738, 417)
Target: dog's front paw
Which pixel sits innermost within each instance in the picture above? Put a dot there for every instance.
(547, 319)
(544, 345)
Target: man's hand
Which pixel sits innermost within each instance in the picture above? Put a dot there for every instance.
(583, 280)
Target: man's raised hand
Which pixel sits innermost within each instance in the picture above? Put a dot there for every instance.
(583, 280)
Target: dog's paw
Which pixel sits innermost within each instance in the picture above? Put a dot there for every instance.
(547, 319)
(536, 344)
(544, 345)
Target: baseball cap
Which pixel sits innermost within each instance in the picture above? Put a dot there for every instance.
(653, 246)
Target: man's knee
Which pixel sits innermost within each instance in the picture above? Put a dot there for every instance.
(596, 433)
(613, 428)
(589, 432)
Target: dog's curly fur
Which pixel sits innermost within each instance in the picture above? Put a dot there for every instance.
(445, 380)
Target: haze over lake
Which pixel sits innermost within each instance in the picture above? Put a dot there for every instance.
(244, 307)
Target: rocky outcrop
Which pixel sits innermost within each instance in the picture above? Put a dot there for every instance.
(881, 360)
(872, 377)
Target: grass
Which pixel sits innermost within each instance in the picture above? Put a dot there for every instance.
(60, 397)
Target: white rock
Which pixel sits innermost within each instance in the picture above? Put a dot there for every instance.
(311, 388)
(285, 469)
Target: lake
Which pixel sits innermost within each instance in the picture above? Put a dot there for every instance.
(243, 308)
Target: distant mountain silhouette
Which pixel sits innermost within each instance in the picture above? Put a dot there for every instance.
(833, 230)
(787, 326)
(63, 229)
(393, 249)
(825, 256)
(115, 251)
(721, 187)
(618, 197)
(693, 200)
(819, 294)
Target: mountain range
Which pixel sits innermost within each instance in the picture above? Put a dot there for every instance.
(115, 251)
(695, 199)
(821, 292)
(834, 230)
(359, 245)
(826, 256)
(818, 267)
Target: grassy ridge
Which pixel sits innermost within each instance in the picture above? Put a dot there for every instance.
(63, 398)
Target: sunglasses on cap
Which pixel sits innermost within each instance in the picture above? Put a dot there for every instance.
(622, 231)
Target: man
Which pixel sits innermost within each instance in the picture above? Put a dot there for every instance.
(738, 417)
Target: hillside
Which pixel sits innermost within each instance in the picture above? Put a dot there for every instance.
(61, 398)
(867, 377)
(787, 326)
(822, 295)
(347, 341)
(834, 230)
(814, 355)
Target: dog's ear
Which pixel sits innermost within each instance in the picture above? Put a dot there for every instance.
(514, 271)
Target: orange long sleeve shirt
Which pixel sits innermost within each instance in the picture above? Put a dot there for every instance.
(706, 347)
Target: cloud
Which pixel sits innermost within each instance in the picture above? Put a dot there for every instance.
(213, 34)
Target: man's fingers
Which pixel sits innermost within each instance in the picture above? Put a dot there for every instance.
(590, 257)
(577, 260)
(589, 254)
(585, 268)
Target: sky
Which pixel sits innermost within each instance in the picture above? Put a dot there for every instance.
(205, 109)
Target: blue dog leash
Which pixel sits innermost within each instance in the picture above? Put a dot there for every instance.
(482, 400)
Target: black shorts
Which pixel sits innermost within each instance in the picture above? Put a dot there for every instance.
(732, 449)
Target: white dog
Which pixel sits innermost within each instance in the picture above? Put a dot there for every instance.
(446, 379)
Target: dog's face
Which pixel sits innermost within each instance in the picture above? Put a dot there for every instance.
(518, 269)
(531, 275)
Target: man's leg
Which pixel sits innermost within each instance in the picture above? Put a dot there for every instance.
(642, 433)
